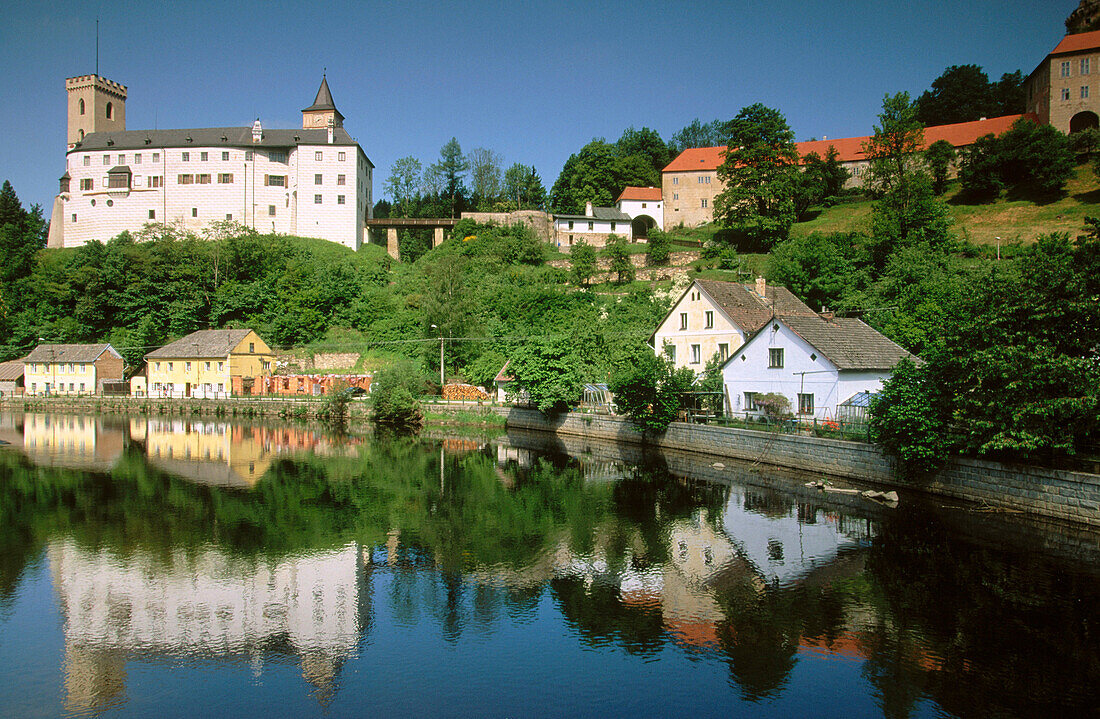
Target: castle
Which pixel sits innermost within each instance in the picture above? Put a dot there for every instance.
(314, 182)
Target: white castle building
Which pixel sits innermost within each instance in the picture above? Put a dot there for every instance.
(312, 182)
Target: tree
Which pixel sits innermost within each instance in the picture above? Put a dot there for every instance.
(817, 268)
(1035, 160)
(1009, 94)
(582, 257)
(939, 156)
(394, 392)
(550, 371)
(960, 94)
(649, 392)
(833, 173)
(904, 422)
(450, 172)
(658, 248)
(485, 174)
(760, 174)
(646, 144)
(697, 134)
(403, 184)
(523, 187)
(979, 170)
(618, 259)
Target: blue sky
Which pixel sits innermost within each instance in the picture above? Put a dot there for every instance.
(533, 81)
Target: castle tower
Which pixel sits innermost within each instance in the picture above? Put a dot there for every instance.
(96, 104)
(323, 109)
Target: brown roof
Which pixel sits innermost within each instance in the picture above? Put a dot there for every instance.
(502, 377)
(69, 353)
(850, 149)
(11, 370)
(201, 344)
(848, 343)
(748, 310)
(640, 193)
(1078, 42)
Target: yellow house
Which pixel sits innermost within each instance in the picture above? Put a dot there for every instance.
(209, 364)
(70, 369)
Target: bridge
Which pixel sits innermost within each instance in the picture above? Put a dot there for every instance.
(392, 224)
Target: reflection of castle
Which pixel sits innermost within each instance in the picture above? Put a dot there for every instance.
(314, 606)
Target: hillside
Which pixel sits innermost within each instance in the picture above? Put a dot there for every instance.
(1011, 220)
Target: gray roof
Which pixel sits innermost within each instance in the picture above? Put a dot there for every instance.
(69, 353)
(848, 343)
(11, 370)
(202, 344)
(119, 169)
(323, 101)
(600, 213)
(747, 309)
(238, 137)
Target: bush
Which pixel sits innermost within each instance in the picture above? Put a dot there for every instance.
(649, 392)
(394, 393)
(903, 422)
(659, 248)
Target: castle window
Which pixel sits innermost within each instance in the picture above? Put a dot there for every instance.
(1084, 92)
(1084, 66)
(704, 202)
(204, 156)
(110, 110)
(276, 156)
(81, 107)
(341, 156)
(86, 184)
(676, 195)
(1065, 69)
(87, 160)
(275, 180)
(74, 218)
(137, 158)
(118, 180)
(318, 156)
(341, 179)
(203, 179)
(186, 156)
(248, 155)
(271, 210)
(153, 216)
(339, 199)
(316, 199)
(225, 156)
(155, 180)
(122, 159)
(1065, 93)
(185, 179)
(676, 180)
(106, 159)
(156, 157)
(194, 212)
(317, 179)
(225, 178)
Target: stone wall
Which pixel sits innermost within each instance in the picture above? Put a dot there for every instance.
(541, 223)
(335, 360)
(1041, 491)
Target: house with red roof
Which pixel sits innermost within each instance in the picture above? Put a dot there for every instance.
(690, 182)
(645, 207)
(1061, 91)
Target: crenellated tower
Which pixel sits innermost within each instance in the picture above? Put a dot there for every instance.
(96, 104)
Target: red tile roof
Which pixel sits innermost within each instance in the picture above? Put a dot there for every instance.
(641, 193)
(850, 149)
(1078, 42)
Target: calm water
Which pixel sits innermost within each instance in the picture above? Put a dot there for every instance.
(168, 567)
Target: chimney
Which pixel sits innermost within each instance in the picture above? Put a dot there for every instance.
(588, 209)
(331, 129)
(827, 316)
(257, 131)
(761, 287)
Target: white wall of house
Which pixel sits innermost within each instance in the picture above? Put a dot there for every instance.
(581, 226)
(686, 327)
(653, 209)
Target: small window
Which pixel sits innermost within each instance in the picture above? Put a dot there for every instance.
(571, 224)
(204, 156)
(275, 180)
(676, 195)
(339, 199)
(1084, 66)
(317, 179)
(87, 160)
(170, 366)
(248, 155)
(110, 110)
(155, 180)
(1065, 93)
(87, 184)
(187, 366)
(676, 180)
(251, 346)
(1065, 69)
(683, 320)
(316, 199)
(221, 366)
(225, 178)
(74, 218)
(152, 214)
(590, 226)
(723, 351)
(341, 179)
(704, 201)
(156, 157)
(106, 159)
(122, 159)
(775, 358)
(229, 215)
(696, 354)
(612, 226)
(805, 403)
(1084, 92)
(82, 107)
(194, 212)
(186, 156)
(750, 401)
(271, 210)
(203, 179)
(225, 156)
(318, 156)
(276, 156)
(341, 156)
(185, 179)
(137, 158)
(670, 352)
(710, 319)
(207, 366)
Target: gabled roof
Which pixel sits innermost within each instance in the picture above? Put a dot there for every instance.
(644, 194)
(201, 344)
(850, 149)
(12, 370)
(1078, 42)
(747, 309)
(69, 353)
(227, 137)
(502, 377)
(848, 343)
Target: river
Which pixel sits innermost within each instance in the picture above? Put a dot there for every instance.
(171, 567)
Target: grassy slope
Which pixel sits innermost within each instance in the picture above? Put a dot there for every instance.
(1011, 220)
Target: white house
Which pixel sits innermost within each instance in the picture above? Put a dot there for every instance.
(594, 227)
(644, 206)
(816, 362)
(717, 317)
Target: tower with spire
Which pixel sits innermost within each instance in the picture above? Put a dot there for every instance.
(323, 109)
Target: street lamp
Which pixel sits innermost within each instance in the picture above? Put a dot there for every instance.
(442, 380)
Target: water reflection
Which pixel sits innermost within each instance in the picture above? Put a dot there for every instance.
(271, 544)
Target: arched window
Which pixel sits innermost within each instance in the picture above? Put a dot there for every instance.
(110, 110)
(82, 107)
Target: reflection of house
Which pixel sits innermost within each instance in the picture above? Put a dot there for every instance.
(595, 226)
(206, 452)
(73, 441)
(1060, 91)
(11, 378)
(71, 369)
(210, 363)
(714, 317)
(204, 603)
(816, 362)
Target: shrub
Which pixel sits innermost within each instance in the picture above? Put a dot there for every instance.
(394, 394)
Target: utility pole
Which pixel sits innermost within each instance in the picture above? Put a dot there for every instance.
(442, 378)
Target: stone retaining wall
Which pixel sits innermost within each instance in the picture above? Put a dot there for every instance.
(1041, 491)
